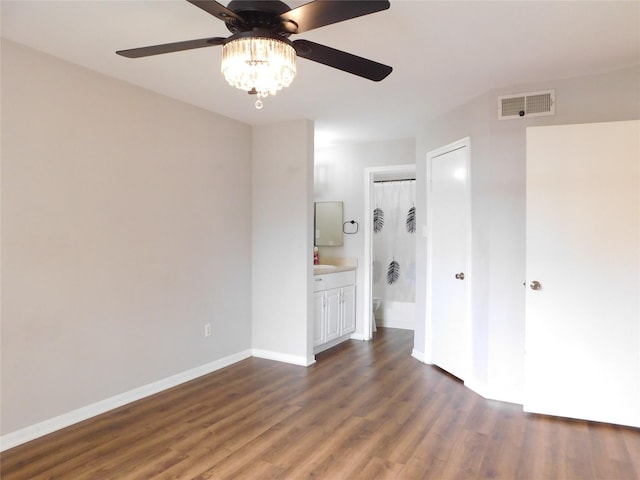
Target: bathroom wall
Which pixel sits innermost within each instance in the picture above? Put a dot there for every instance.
(339, 175)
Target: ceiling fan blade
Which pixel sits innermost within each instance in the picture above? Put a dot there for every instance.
(217, 10)
(344, 61)
(325, 12)
(171, 47)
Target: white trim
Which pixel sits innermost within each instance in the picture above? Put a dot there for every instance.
(401, 324)
(417, 355)
(332, 343)
(393, 314)
(357, 336)
(32, 432)
(462, 143)
(283, 357)
(369, 175)
(500, 395)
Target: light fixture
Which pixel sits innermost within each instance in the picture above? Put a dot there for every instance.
(258, 64)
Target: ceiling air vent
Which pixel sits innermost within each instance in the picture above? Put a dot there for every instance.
(532, 104)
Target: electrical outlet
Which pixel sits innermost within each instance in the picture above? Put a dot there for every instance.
(207, 329)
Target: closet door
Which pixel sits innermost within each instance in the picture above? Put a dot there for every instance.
(582, 327)
(448, 251)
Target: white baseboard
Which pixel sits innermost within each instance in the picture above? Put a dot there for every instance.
(331, 343)
(357, 336)
(32, 432)
(404, 325)
(283, 357)
(417, 355)
(493, 394)
(393, 314)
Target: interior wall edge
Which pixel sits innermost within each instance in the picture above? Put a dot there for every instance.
(418, 355)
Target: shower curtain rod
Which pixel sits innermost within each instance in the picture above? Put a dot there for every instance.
(396, 180)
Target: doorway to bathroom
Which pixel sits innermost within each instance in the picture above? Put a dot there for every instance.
(390, 230)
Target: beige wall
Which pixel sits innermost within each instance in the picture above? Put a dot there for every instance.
(126, 226)
(498, 162)
(282, 241)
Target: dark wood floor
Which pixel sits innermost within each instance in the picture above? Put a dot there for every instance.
(365, 410)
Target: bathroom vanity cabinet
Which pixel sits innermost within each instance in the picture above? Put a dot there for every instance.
(334, 305)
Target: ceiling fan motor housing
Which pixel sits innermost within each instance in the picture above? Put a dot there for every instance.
(260, 15)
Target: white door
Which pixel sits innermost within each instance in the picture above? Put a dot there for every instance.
(448, 258)
(583, 242)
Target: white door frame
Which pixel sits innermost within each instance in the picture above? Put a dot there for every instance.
(370, 174)
(428, 351)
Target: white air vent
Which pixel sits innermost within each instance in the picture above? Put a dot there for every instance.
(532, 104)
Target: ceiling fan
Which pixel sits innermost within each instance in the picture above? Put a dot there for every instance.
(259, 57)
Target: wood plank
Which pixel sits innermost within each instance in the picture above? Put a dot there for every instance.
(365, 410)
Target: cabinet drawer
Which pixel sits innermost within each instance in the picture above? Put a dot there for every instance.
(339, 279)
(333, 280)
(318, 283)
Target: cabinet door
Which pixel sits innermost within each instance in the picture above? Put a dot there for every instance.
(348, 310)
(333, 305)
(319, 319)
(449, 256)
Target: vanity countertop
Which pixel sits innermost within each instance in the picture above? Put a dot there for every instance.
(326, 268)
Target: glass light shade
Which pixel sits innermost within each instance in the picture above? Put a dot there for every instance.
(264, 64)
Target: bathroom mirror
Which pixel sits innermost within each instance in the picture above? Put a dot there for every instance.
(328, 224)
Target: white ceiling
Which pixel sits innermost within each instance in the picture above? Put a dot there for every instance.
(443, 54)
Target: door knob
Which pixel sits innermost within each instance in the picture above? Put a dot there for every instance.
(460, 276)
(536, 285)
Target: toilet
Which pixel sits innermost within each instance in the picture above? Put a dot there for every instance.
(376, 305)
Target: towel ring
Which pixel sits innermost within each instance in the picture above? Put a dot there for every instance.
(345, 228)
